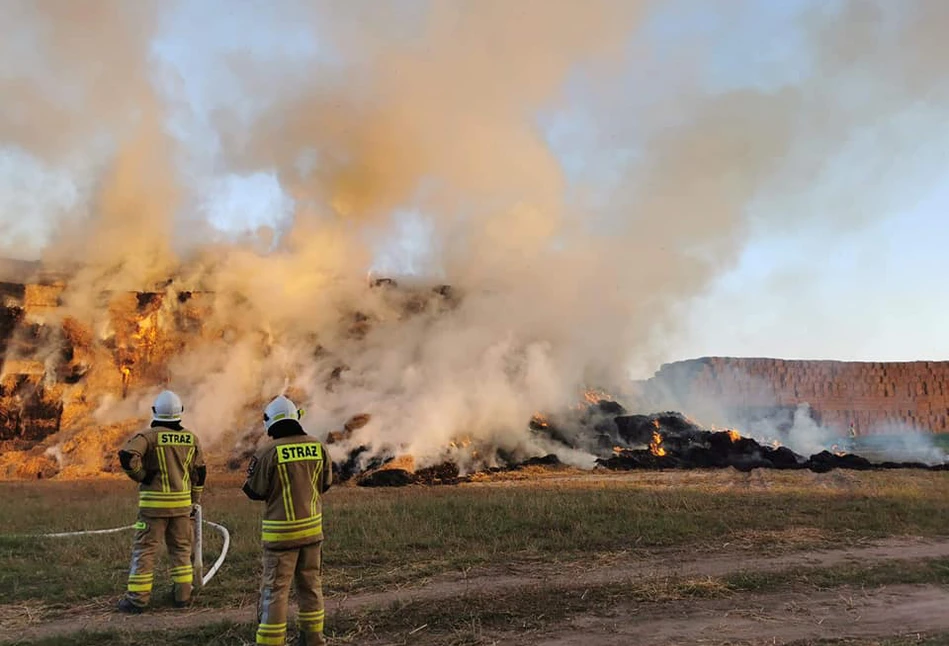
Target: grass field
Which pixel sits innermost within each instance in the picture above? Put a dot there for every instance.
(379, 539)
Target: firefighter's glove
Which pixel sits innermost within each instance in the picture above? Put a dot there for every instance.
(194, 511)
(149, 477)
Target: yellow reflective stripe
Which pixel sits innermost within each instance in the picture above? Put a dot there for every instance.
(311, 621)
(163, 504)
(285, 490)
(287, 493)
(163, 467)
(186, 478)
(182, 578)
(315, 494)
(271, 634)
(180, 569)
(277, 537)
(297, 526)
(311, 616)
(177, 498)
(280, 416)
(292, 524)
(139, 587)
(140, 578)
(163, 495)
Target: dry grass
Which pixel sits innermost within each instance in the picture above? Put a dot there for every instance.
(378, 538)
(480, 618)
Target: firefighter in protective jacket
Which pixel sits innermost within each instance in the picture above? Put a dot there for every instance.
(167, 462)
(290, 474)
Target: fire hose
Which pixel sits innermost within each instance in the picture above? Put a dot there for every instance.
(197, 557)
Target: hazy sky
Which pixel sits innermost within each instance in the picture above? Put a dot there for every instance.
(800, 290)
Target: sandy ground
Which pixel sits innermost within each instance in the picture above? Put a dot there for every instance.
(742, 618)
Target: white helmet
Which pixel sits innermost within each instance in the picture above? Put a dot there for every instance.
(280, 409)
(167, 407)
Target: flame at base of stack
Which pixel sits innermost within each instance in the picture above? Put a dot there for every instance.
(655, 446)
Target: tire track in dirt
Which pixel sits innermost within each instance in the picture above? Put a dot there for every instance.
(753, 619)
(487, 582)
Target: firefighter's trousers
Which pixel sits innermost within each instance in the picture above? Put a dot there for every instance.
(304, 567)
(176, 532)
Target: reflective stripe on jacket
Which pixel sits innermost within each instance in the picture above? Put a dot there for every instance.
(290, 475)
(165, 462)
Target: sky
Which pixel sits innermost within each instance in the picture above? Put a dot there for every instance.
(803, 289)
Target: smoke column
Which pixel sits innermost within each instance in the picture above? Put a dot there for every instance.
(436, 109)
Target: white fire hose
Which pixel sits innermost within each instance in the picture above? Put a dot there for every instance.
(197, 557)
(197, 553)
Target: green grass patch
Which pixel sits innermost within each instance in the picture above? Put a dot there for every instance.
(926, 571)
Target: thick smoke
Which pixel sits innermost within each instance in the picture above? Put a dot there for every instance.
(435, 109)
(78, 91)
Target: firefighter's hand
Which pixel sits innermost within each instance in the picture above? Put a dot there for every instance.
(149, 476)
(194, 511)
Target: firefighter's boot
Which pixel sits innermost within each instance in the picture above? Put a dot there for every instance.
(128, 606)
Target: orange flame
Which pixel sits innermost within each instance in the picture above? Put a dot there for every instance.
(593, 397)
(733, 435)
(460, 443)
(655, 447)
(126, 378)
(539, 419)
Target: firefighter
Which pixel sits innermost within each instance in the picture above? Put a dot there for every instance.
(290, 474)
(167, 462)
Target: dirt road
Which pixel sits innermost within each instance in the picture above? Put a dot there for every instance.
(762, 619)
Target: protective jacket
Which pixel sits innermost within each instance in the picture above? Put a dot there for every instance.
(167, 462)
(290, 474)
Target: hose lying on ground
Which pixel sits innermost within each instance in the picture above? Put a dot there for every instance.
(204, 579)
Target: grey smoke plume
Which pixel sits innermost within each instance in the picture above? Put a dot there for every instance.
(436, 108)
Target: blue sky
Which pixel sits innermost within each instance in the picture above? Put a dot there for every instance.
(801, 289)
(871, 293)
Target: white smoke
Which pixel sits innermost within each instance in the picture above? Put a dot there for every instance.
(759, 414)
(432, 108)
